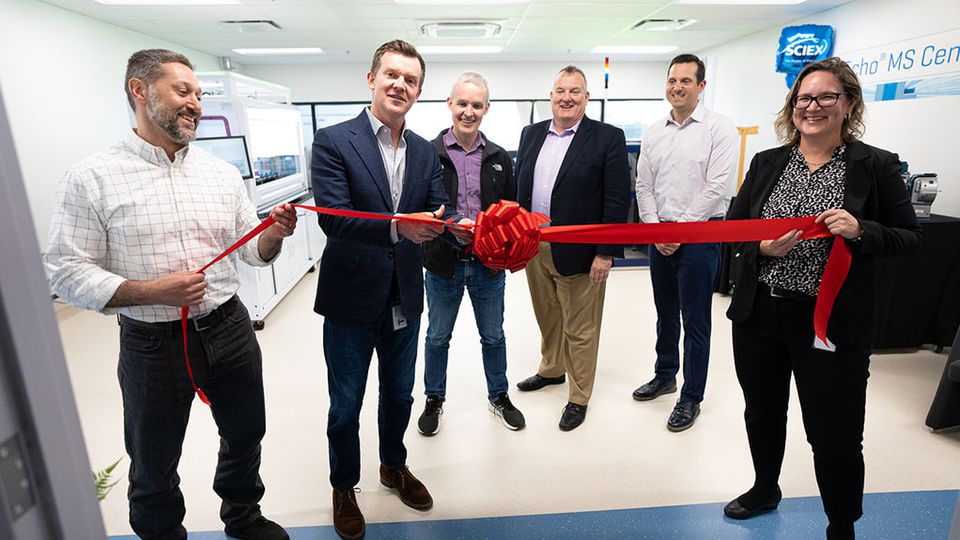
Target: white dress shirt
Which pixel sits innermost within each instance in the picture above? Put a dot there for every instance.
(394, 162)
(684, 169)
(129, 213)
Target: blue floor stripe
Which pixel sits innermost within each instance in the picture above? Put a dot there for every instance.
(915, 514)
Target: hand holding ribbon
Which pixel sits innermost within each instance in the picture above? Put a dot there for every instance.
(506, 236)
(420, 227)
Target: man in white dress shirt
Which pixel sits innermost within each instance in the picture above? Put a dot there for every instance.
(686, 162)
(131, 225)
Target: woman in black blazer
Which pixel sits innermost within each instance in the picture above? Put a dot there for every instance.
(857, 191)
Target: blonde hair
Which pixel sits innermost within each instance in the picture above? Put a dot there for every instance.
(852, 128)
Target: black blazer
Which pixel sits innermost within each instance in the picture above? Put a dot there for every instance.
(496, 183)
(593, 186)
(874, 193)
(360, 261)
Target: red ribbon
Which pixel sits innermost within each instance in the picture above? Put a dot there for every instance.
(507, 237)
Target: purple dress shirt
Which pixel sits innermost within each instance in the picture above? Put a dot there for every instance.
(467, 163)
(548, 166)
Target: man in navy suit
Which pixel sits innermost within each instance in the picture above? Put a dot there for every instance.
(370, 288)
(574, 170)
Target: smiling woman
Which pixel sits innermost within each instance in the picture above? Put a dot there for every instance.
(857, 192)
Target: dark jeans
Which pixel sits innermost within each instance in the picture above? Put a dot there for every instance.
(348, 348)
(443, 299)
(683, 286)
(157, 394)
(774, 343)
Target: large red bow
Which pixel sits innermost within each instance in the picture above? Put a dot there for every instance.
(507, 237)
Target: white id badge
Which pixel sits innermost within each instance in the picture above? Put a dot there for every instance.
(399, 321)
(824, 346)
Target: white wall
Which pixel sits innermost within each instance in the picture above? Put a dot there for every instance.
(922, 131)
(62, 80)
(508, 80)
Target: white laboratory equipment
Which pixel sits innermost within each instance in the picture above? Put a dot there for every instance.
(257, 116)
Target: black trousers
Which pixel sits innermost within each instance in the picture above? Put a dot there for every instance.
(157, 396)
(774, 343)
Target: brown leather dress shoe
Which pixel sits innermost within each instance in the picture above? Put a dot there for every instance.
(347, 519)
(412, 491)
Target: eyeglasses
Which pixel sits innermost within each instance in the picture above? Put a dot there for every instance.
(823, 100)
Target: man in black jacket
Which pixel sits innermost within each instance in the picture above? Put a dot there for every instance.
(476, 174)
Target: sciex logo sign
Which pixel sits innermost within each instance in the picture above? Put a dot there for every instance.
(801, 45)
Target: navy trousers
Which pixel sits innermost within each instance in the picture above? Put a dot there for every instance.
(348, 349)
(683, 286)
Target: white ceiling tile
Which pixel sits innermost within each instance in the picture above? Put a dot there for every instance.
(540, 29)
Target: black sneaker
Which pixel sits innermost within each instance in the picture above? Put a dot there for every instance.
(429, 423)
(511, 417)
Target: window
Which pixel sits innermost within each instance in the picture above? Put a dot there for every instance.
(634, 115)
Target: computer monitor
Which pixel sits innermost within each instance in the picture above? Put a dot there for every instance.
(233, 150)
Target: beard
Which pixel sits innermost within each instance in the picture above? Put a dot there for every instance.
(168, 119)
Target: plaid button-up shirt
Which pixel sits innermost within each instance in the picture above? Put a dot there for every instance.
(130, 213)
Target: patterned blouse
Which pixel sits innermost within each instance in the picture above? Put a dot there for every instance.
(802, 193)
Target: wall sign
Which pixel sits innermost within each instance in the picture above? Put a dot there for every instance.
(802, 45)
(913, 68)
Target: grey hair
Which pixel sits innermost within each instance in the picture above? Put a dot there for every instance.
(570, 70)
(147, 65)
(473, 78)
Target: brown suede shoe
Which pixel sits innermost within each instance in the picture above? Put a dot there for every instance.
(412, 491)
(347, 519)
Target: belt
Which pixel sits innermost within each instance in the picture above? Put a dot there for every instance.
(463, 256)
(786, 294)
(206, 322)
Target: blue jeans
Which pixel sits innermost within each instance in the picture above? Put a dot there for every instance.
(683, 285)
(348, 348)
(443, 301)
(157, 395)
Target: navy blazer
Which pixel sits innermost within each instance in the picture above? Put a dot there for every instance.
(874, 193)
(360, 261)
(593, 186)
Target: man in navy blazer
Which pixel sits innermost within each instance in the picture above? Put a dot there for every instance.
(574, 170)
(370, 288)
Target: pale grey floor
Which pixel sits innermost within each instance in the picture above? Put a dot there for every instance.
(622, 457)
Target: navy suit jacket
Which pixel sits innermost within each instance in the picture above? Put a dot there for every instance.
(593, 186)
(360, 262)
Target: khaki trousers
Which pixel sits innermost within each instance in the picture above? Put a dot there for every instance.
(569, 310)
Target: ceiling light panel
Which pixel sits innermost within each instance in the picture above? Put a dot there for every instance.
(459, 49)
(458, 2)
(741, 2)
(280, 51)
(180, 2)
(634, 49)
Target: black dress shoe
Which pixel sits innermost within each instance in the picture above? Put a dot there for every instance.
(735, 510)
(654, 389)
(573, 415)
(537, 382)
(683, 415)
(259, 529)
